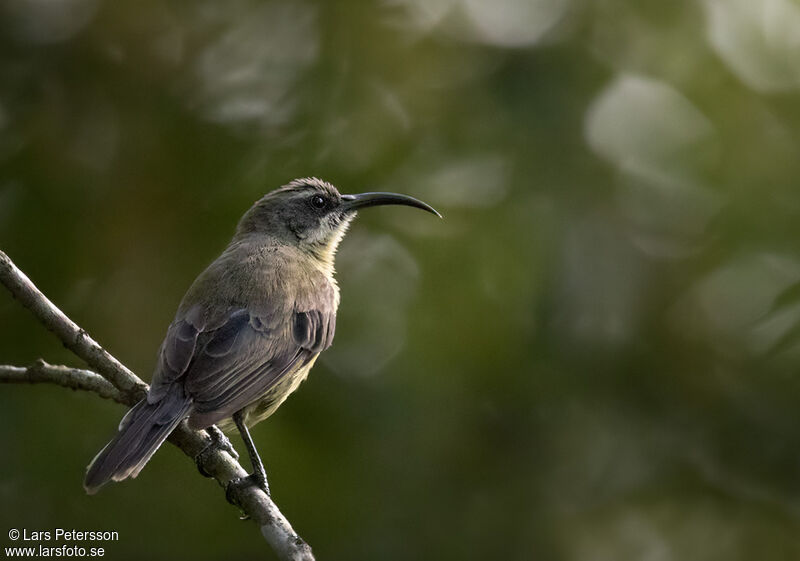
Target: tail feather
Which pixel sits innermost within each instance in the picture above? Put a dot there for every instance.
(141, 432)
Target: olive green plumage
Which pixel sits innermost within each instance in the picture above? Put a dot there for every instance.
(249, 328)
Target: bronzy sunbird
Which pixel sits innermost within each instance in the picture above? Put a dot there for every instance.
(249, 328)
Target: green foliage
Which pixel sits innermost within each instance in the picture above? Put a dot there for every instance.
(594, 356)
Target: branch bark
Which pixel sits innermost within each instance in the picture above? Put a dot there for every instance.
(115, 381)
(73, 337)
(72, 378)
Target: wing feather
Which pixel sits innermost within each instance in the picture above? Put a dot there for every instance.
(231, 358)
(227, 368)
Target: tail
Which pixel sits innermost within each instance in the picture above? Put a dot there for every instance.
(142, 430)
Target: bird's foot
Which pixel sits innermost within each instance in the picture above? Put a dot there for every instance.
(254, 479)
(218, 442)
(221, 441)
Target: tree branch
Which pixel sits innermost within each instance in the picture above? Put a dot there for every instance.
(72, 378)
(73, 337)
(129, 389)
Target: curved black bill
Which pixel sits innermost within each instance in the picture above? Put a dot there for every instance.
(364, 200)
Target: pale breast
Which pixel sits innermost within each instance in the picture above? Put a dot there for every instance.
(266, 405)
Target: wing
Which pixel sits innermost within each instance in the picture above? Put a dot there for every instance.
(174, 356)
(234, 362)
(238, 363)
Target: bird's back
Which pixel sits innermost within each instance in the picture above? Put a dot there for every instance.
(247, 332)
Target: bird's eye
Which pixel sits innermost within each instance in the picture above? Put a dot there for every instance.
(318, 201)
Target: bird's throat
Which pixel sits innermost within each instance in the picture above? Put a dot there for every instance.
(324, 252)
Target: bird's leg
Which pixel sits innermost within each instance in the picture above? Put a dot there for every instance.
(259, 475)
(218, 442)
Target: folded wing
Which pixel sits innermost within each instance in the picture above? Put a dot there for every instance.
(227, 367)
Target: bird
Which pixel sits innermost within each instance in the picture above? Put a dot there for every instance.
(248, 330)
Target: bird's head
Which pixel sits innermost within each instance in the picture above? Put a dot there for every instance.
(312, 215)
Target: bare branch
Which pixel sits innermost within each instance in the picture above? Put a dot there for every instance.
(253, 501)
(73, 337)
(220, 465)
(73, 378)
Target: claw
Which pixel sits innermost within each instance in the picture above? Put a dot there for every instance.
(221, 441)
(218, 442)
(254, 479)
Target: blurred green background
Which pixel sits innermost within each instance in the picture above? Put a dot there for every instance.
(595, 356)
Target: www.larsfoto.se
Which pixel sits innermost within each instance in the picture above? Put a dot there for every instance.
(59, 551)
